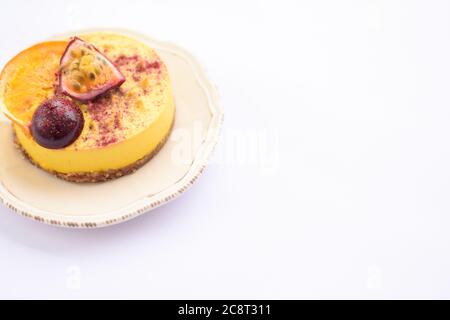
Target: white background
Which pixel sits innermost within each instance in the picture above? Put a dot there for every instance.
(343, 194)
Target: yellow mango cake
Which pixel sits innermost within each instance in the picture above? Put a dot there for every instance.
(90, 108)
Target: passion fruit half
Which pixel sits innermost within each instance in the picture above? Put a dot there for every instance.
(85, 73)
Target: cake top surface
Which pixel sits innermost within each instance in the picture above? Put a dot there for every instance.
(32, 77)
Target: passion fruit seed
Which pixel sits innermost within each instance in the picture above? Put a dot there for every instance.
(75, 65)
(57, 123)
(79, 76)
(76, 85)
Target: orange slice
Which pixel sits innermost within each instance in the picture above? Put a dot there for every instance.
(29, 79)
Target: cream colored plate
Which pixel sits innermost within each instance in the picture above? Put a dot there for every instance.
(36, 194)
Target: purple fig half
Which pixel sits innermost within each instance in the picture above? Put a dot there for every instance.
(85, 73)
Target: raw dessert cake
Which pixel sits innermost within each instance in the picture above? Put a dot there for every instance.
(90, 108)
